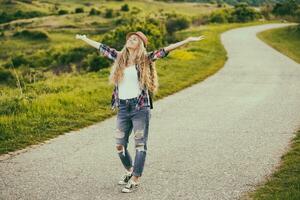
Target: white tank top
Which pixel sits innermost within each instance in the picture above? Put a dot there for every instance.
(129, 86)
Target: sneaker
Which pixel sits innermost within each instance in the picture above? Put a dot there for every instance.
(125, 178)
(130, 186)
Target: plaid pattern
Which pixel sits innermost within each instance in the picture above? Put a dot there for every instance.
(156, 54)
(108, 52)
(144, 99)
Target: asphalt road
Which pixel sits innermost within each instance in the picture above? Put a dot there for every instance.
(213, 140)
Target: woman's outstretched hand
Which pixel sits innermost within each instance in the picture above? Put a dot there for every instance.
(87, 40)
(80, 36)
(191, 39)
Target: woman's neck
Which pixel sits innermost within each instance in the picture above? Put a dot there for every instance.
(132, 55)
(129, 65)
(130, 62)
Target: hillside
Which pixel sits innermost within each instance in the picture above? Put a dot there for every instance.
(231, 2)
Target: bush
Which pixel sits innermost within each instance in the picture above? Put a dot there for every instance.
(88, 4)
(125, 7)
(30, 75)
(205, 19)
(34, 35)
(125, 20)
(93, 11)
(156, 35)
(117, 13)
(289, 10)
(61, 61)
(2, 33)
(176, 23)
(94, 62)
(6, 77)
(79, 10)
(8, 2)
(135, 10)
(4, 17)
(26, 1)
(17, 61)
(221, 16)
(57, 68)
(108, 13)
(62, 12)
(266, 11)
(74, 55)
(243, 13)
(7, 17)
(297, 15)
(40, 59)
(288, 7)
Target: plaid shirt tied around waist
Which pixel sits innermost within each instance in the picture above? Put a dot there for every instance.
(145, 97)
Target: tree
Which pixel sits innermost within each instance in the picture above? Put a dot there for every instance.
(155, 34)
(243, 13)
(288, 7)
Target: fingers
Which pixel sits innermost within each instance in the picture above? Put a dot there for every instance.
(80, 36)
(201, 37)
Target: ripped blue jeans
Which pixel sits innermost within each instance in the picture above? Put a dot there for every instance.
(128, 119)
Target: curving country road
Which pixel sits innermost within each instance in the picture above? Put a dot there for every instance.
(213, 140)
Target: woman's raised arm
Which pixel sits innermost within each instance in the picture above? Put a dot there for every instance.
(89, 41)
(178, 44)
(104, 49)
(163, 52)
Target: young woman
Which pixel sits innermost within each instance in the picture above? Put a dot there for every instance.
(135, 80)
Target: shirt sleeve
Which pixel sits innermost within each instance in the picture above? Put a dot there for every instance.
(107, 51)
(156, 54)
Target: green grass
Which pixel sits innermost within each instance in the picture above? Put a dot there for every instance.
(286, 40)
(284, 184)
(69, 102)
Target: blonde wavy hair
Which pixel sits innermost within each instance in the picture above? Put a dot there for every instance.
(147, 68)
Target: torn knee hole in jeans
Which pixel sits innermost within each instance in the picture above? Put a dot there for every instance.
(121, 149)
(119, 133)
(139, 134)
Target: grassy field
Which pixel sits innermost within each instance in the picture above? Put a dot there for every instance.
(286, 40)
(71, 101)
